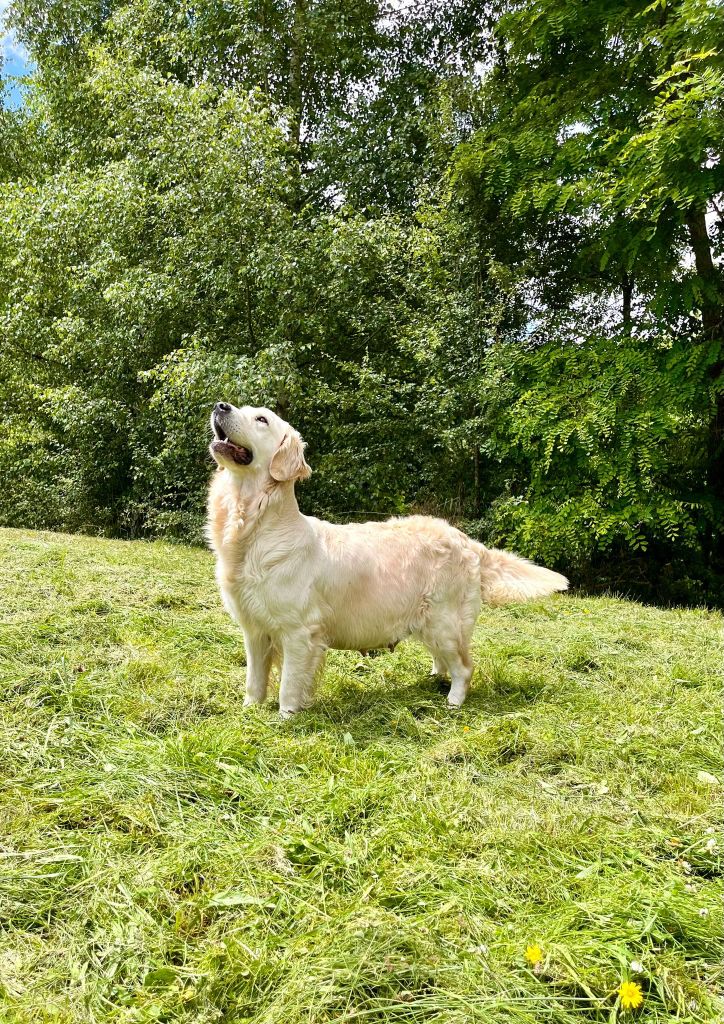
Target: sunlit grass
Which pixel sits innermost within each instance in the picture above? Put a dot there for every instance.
(169, 856)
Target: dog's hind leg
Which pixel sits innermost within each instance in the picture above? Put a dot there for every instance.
(258, 663)
(450, 649)
(302, 657)
(456, 659)
(461, 671)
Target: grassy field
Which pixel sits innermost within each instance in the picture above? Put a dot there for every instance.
(166, 855)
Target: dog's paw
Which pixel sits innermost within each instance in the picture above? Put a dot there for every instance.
(250, 701)
(286, 713)
(455, 702)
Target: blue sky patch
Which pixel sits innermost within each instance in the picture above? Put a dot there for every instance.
(14, 62)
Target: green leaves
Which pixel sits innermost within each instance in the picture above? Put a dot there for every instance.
(471, 250)
(606, 429)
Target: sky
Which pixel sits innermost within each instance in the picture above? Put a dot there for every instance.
(15, 59)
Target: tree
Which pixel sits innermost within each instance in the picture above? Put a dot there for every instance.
(107, 270)
(471, 249)
(592, 168)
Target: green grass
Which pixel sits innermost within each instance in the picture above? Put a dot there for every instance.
(166, 855)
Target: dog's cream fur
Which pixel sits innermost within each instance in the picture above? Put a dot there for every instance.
(298, 585)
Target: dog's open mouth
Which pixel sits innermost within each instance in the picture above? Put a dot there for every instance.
(221, 445)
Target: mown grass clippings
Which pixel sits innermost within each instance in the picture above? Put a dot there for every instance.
(549, 853)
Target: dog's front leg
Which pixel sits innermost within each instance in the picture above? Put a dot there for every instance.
(258, 665)
(302, 653)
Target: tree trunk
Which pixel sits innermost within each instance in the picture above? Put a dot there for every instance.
(296, 64)
(711, 306)
(297, 56)
(249, 318)
(712, 312)
(476, 480)
(627, 292)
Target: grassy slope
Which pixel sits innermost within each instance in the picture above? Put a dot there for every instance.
(169, 856)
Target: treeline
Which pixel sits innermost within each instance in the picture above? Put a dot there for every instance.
(471, 249)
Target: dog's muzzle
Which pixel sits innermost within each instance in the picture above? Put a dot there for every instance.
(222, 445)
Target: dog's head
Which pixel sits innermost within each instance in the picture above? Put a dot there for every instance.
(257, 440)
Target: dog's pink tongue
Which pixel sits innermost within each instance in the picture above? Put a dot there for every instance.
(236, 452)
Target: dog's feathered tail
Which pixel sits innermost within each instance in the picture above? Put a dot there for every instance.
(505, 577)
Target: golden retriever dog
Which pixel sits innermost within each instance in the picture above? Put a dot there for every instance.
(298, 585)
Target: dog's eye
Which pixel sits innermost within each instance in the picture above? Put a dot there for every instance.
(262, 419)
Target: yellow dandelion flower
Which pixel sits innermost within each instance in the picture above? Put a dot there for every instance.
(631, 995)
(466, 728)
(534, 954)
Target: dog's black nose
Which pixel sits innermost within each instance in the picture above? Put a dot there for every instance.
(222, 407)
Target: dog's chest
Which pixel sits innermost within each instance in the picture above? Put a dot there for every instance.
(254, 594)
(246, 601)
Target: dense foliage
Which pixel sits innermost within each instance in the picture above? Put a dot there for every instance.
(472, 250)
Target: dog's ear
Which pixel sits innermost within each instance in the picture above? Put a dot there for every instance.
(288, 462)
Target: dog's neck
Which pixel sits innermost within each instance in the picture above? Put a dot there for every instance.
(239, 505)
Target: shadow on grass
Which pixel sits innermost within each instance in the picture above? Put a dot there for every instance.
(381, 711)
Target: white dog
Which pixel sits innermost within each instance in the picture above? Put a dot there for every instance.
(298, 585)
